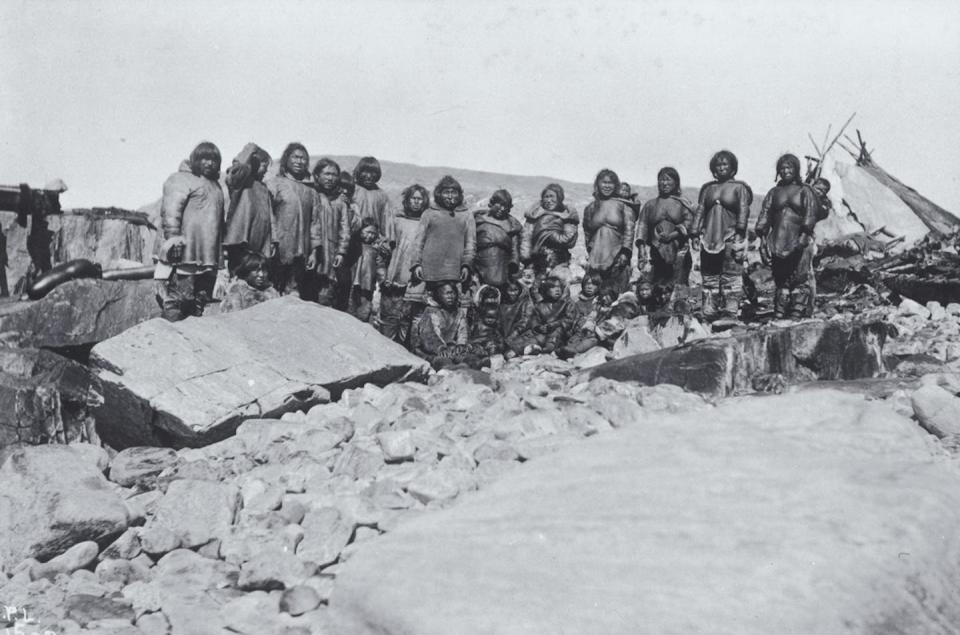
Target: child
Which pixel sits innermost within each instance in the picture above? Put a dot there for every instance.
(549, 323)
(516, 307)
(369, 271)
(583, 320)
(251, 286)
(485, 327)
(440, 336)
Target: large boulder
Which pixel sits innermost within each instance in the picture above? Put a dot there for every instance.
(768, 516)
(53, 497)
(78, 313)
(721, 366)
(46, 398)
(193, 382)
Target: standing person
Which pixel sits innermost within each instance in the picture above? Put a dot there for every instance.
(369, 271)
(785, 226)
(662, 231)
(446, 238)
(188, 243)
(720, 226)
(249, 225)
(549, 224)
(608, 228)
(371, 201)
(498, 241)
(403, 299)
(294, 204)
(341, 296)
(329, 231)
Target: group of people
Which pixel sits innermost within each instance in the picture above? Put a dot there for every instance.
(457, 286)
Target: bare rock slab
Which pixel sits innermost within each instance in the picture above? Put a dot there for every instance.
(46, 398)
(197, 511)
(51, 498)
(768, 516)
(78, 313)
(193, 382)
(723, 366)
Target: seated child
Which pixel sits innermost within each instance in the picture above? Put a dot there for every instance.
(440, 336)
(250, 287)
(486, 331)
(548, 325)
(516, 307)
(583, 321)
(369, 270)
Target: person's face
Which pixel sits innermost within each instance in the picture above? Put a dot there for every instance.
(787, 171)
(645, 291)
(490, 318)
(366, 177)
(447, 297)
(499, 210)
(258, 279)
(606, 186)
(552, 293)
(297, 164)
(209, 167)
(549, 201)
(624, 191)
(607, 298)
(328, 178)
(513, 292)
(724, 169)
(368, 234)
(417, 202)
(528, 276)
(589, 288)
(821, 189)
(666, 184)
(449, 197)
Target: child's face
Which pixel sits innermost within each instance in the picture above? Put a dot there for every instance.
(821, 188)
(589, 287)
(490, 318)
(447, 297)
(550, 257)
(528, 276)
(258, 279)
(552, 293)
(624, 190)
(513, 292)
(368, 234)
(607, 298)
(366, 178)
(644, 291)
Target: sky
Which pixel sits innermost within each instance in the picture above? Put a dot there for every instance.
(110, 96)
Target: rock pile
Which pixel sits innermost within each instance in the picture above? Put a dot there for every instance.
(250, 533)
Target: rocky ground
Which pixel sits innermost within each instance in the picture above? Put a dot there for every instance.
(248, 535)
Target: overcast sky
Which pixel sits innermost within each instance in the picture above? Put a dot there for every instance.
(111, 95)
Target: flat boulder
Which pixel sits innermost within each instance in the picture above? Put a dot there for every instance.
(768, 516)
(53, 497)
(193, 382)
(722, 366)
(78, 313)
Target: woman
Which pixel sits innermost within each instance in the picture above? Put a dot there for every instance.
(608, 228)
(402, 299)
(188, 243)
(295, 203)
(498, 241)
(720, 226)
(329, 230)
(665, 222)
(549, 224)
(249, 225)
(785, 227)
